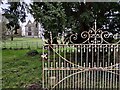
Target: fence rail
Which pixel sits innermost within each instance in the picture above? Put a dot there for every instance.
(21, 45)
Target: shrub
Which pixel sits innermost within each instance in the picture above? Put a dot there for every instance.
(32, 53)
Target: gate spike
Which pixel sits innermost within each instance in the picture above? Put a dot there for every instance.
(89, 65)
(94, 64)
(51, 65)
(56, 64)
(111, 65)
(95, 48)
(45, 64)
(72, 65)
(78, 65)
(117, 49)
(67, 48)
(106, 48)
(62, 65)
(89, 50)
(106, 64)
(117, 66)
(84, 64)
(78, 50)
(73, 50)
(62, 49)
(111, 48)
(100, 48)
(68, 65)
(84, 48)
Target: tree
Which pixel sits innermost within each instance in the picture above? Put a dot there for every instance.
(15, 13)
(4, 28)
(57, 17)
(51, 15)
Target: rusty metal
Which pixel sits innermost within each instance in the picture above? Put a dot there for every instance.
(94, 63)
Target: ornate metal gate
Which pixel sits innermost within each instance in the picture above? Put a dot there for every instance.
(95, 63)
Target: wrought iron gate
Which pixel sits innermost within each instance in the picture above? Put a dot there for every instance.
(93, 64)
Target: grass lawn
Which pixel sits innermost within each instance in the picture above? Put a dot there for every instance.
(19, 70)
(23, 42)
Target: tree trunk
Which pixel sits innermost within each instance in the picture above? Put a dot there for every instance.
(12, 38)
(12, 35)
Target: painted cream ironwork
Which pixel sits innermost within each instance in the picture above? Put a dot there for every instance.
(95, 63)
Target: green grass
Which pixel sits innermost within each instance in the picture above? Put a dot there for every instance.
(19, 70)
(23, 42)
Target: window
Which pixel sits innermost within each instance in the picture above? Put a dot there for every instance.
(29, 28)
(29, 33)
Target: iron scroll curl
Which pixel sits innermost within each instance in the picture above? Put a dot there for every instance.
(73, 37)
(90, 37)
(95, 36)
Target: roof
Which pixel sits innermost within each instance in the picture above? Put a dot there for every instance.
(29, 24)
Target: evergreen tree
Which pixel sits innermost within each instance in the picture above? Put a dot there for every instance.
(57, 17)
